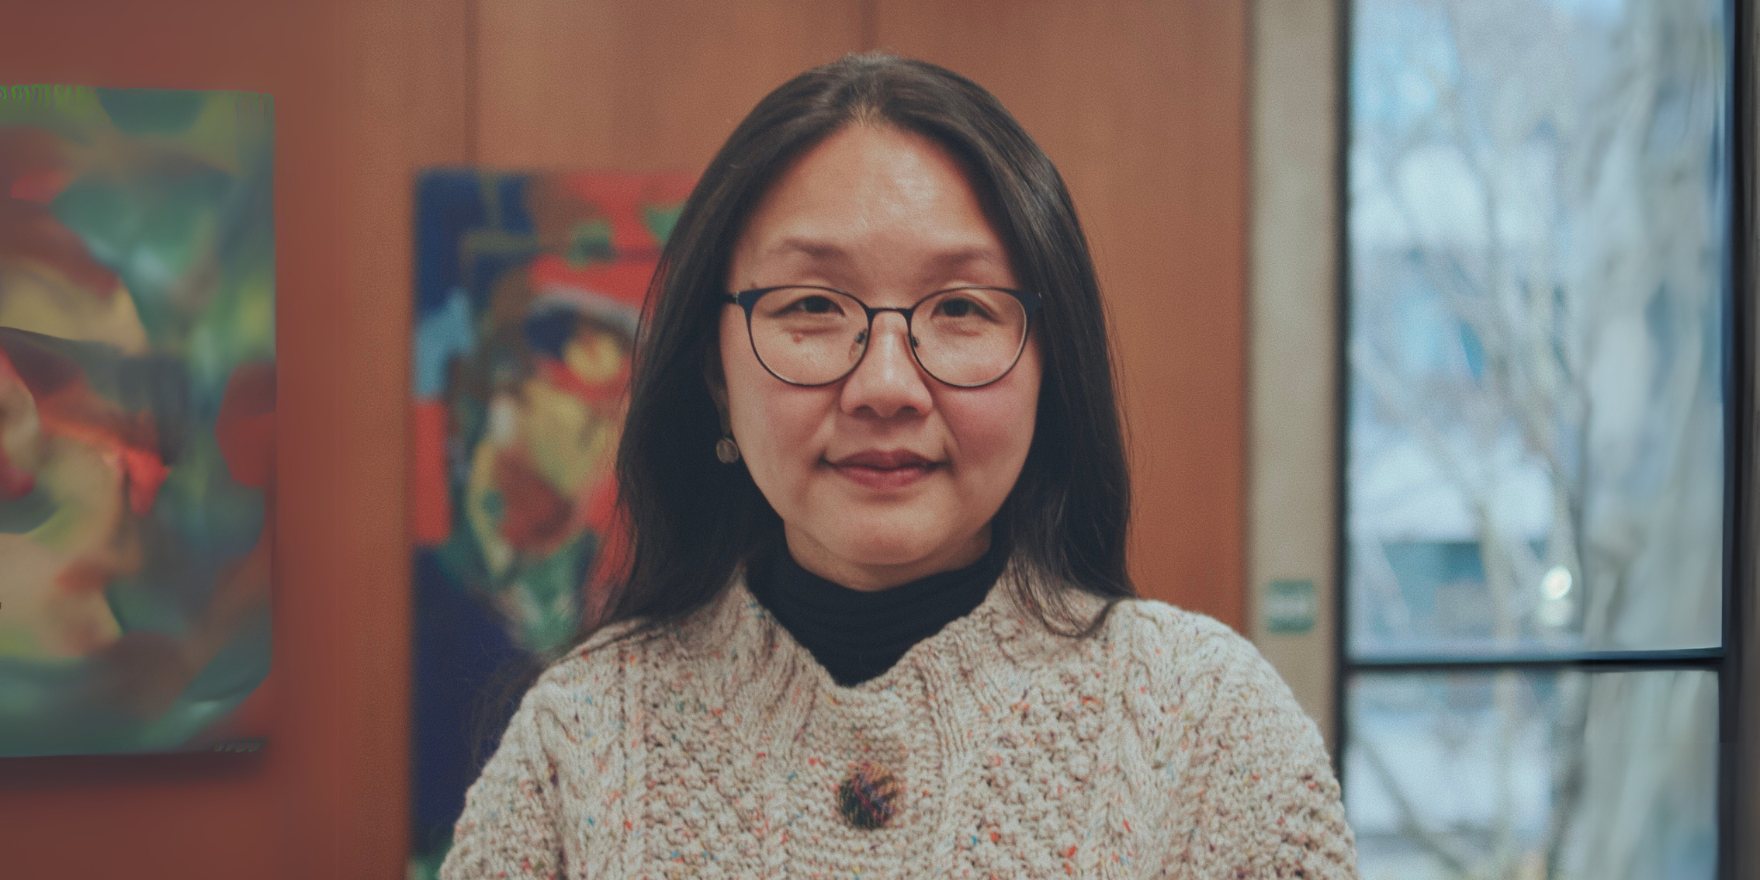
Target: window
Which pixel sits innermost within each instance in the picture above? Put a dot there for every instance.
(1544, 368)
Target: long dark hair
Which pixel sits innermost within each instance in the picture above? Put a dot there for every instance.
(692, 519)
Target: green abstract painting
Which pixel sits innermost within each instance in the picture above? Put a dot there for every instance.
(137, 413)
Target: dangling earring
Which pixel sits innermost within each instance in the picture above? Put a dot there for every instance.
(727, 450)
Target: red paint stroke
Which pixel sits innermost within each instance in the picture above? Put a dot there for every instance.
(68, 407)
(621, 197)
(535, 518)
(601, 506)
(625, 281)
(80, 414)
(145, 472)
(41, 187)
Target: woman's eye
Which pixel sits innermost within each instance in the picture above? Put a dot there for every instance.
(810, 304)
(959, 308)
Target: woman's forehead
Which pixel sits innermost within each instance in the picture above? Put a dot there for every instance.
(946, 256)
(872, 193)
(865, 176)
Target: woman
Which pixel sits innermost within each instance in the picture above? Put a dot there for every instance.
(874, 384)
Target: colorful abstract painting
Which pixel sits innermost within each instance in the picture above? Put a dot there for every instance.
(528, 292)
(137, 408)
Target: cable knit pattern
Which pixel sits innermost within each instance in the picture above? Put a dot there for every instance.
(1164, 747)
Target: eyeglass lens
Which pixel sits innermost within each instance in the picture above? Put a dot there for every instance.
(814, 336)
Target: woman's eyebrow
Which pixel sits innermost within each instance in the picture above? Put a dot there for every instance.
(960, 258)
(815, 249)
(957, 257)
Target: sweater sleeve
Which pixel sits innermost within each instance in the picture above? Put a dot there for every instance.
(1252, 793)
(509, 827)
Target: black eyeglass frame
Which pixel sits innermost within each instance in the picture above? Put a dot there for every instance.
(748, 299)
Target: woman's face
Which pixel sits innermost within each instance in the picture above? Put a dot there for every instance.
(889, 217)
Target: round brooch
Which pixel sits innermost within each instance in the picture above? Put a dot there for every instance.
(868, 796)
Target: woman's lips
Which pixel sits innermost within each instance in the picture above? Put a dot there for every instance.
(884, 470)
(884, 478)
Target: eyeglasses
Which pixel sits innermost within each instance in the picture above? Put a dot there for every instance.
(968, 336)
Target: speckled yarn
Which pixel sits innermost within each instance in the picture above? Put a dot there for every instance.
(1164, 747)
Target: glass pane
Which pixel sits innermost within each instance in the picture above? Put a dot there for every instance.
(1556, 775)
(1537, 220)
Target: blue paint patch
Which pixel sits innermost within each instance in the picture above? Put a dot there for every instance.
(441, 335)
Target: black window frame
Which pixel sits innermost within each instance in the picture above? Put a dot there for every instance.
(1738, 759)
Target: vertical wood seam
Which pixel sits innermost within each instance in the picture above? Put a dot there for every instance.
(472, 76)
(869, 15)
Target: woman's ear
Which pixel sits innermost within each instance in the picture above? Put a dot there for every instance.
(717, 382)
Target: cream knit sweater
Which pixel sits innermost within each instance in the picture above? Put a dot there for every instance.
(1163, 747)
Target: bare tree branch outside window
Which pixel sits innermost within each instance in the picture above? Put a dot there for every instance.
(1538, 247)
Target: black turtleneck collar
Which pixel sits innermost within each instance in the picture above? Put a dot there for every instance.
(857, 635)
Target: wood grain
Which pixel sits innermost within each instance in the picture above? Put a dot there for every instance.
(651, 86)
(1142, 107)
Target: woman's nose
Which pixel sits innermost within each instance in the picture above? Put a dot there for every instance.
(888, 380)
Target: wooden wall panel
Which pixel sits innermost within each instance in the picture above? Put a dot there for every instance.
(407, 70)
(1142, 105)
(649, 86)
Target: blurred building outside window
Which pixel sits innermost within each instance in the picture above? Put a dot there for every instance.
(1537, 364)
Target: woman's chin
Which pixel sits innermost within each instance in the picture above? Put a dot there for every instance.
(877, 549)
